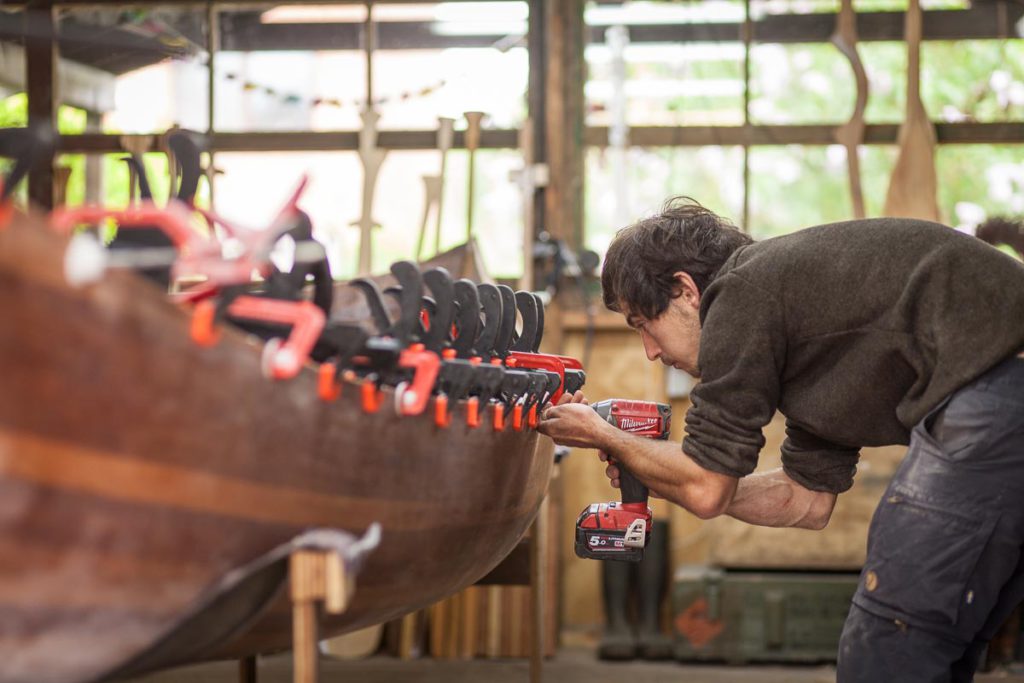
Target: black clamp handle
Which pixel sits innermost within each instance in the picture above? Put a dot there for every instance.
(507, 328)
(467, 318)
(527, 306)
(439, 282)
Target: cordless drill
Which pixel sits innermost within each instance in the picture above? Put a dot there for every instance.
(621, 530)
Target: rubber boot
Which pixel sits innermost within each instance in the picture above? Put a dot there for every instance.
(618, 641)
(651, 572)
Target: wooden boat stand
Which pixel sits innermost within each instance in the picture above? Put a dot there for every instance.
(317, 578)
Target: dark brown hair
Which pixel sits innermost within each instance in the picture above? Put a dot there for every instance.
(643, 257)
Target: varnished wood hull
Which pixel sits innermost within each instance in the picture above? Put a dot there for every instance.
(137, 469)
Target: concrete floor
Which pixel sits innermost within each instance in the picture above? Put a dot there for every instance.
(572, 665)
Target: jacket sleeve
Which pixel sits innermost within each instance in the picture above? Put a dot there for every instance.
(816, 464)
(742, 353)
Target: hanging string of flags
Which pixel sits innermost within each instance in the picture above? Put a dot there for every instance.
(358, 102)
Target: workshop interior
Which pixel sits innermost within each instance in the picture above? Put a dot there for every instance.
(291, 288)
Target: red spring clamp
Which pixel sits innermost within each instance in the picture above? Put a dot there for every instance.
(284, 360)
(539, 361)
(569, 362)
(6, 211)
(473, 412)
(442, 418)
(531, 418)
(517, 417)
(371, 396)
(425, 365)
(498, 418)
(328, 386)
(173, 220)
(194, 295)
(202, 329)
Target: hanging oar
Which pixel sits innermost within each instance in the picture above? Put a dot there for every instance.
(851, 134)
(433, 186)
(445, 137)
(371, 156)
(432, 195)
(913, 186)
(473, 122)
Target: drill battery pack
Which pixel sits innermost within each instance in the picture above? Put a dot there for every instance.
(613, 531)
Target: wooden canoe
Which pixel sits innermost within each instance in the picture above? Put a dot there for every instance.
(138, 469)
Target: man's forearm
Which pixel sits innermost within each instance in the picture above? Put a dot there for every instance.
(670, 473)
(773, 499)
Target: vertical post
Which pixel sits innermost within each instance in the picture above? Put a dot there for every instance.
(566, 74)
(617, 39)
(369, 39)
(316, 577)
(307, 575)
(41, 79)
(538, 582)
(247, 670)
(747, 36)
(212, 46)
(93, 163)
(474, 120)
(536, 108)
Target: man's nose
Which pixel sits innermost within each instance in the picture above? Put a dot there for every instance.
(651, 348)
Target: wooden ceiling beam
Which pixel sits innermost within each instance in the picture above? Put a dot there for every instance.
(649, 136)
(245, 32)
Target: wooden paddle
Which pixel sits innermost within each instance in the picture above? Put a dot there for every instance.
(851, 134)
(913, 186)
(372, 157)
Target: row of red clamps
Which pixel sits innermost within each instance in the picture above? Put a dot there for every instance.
(411, 398)
(201, 255)
(526, 361)
(541, 361)
(443, 416)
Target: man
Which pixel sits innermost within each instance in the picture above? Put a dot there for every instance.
(861, 333)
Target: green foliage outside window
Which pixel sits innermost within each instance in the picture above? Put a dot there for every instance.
(807, 84)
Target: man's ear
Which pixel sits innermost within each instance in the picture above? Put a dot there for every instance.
(686, 289)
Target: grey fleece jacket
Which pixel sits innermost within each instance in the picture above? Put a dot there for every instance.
(854, 331)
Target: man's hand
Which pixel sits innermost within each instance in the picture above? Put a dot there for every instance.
(578, 397)
(612, 472)
(573, 423)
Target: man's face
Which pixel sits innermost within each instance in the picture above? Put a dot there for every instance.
(674, 336)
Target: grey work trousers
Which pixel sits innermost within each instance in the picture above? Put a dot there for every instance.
(944, 566)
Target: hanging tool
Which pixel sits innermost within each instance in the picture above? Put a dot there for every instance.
(851, 134)
(474, 120)
(370, 155)
(434, 188)
(185, 150)
(143, 237)
(445, 138)
(28, 147)
(621, 530)
(913, 184)
(431, 196)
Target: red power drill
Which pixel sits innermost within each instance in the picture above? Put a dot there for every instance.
(620, 531)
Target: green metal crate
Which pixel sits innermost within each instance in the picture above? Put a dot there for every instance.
(742, 616)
